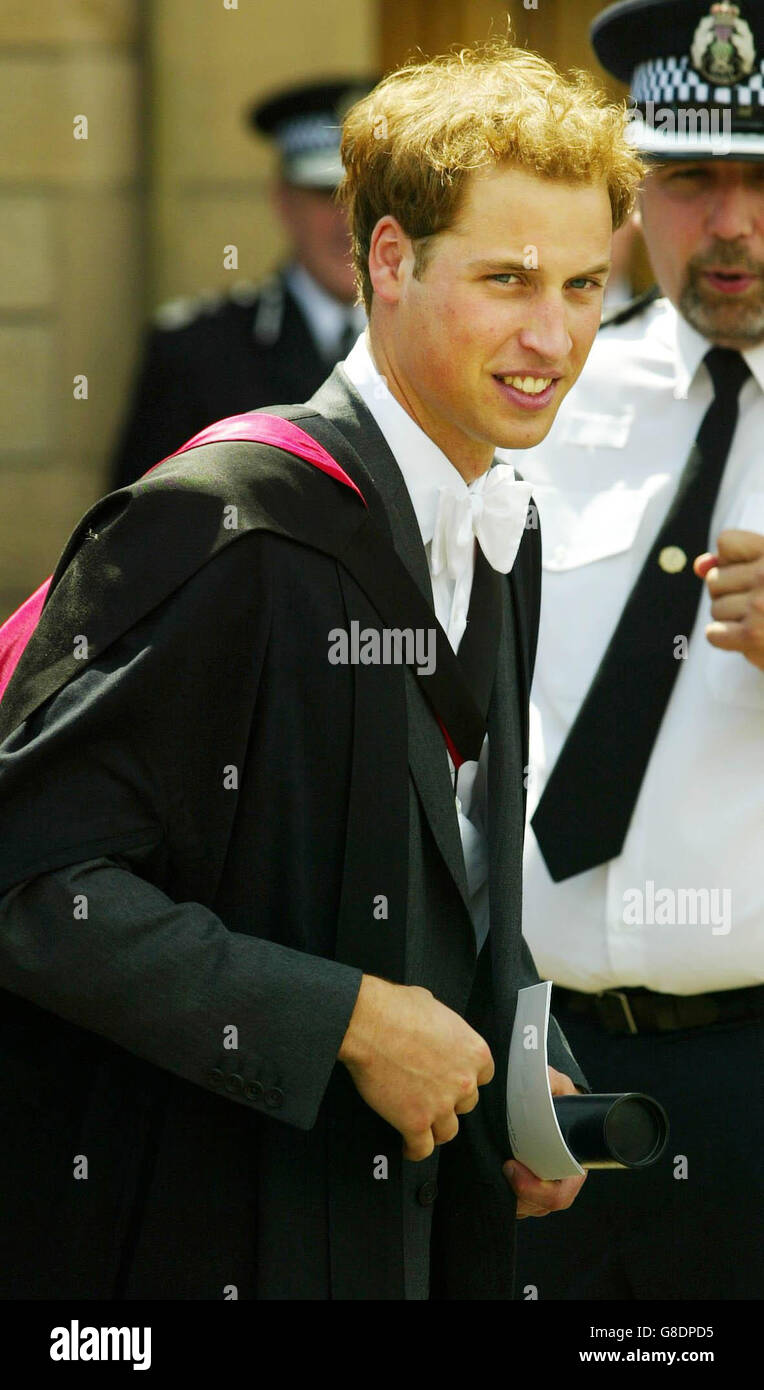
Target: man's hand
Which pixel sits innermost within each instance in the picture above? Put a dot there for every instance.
(414, 1061)
(539, 1196)
(735, 580)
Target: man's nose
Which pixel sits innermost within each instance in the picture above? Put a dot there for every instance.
(731, 214)
(545, 331)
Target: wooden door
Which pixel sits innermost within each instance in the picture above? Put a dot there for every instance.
(557, 29)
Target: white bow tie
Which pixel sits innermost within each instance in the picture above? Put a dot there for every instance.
(494, 510)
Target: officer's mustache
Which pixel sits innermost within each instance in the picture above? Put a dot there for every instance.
(724, 255)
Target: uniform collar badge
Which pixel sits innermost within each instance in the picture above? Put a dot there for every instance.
(723, 49)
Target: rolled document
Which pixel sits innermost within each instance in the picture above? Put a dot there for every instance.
(561, 1136)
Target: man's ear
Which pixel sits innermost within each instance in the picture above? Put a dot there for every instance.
(390, 258)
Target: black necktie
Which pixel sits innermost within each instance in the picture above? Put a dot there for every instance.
(347, 338)
(587, 804)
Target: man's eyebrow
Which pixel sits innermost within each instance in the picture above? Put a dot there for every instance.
(498, 265)
(505, 266)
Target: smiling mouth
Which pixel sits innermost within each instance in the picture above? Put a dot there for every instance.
(529, 385)
(527, 393)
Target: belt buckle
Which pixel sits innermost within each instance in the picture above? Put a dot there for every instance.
(625, 1007)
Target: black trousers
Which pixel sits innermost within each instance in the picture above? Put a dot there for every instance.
(690, 1226)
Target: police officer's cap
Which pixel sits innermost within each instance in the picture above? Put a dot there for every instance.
(696, 74)
(305, 123)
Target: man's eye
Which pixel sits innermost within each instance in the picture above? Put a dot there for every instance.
(582, 281)
(504, 276)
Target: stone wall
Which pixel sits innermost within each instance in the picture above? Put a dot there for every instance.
(95, 232)
(70, 263)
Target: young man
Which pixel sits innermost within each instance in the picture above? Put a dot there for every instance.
(643, 890)
(256, 929)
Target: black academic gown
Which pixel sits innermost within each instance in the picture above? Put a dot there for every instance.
(199, 817)
(206, 360)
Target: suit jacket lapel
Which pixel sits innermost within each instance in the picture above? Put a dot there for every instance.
(510, 698)
(339, 402)
(520, 616)
(507, 719)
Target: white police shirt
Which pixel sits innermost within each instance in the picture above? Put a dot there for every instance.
(681, 910)
(326, 316)
(426, 470)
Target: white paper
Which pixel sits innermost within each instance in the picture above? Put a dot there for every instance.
(531, 1118)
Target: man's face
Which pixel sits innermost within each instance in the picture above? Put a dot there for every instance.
(482, 348)
(318, 231)
(704, 228)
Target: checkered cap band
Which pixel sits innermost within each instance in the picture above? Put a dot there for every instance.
(669, 81)
(301, 134)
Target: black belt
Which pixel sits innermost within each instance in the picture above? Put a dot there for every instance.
(630, 1011)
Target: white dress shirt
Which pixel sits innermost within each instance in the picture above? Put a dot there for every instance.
(326, 316)
(603, 481)
(426, 470)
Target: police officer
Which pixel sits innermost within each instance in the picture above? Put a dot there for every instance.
(219, 355)
(644, 894)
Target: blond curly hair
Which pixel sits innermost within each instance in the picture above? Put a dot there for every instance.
(410, 145)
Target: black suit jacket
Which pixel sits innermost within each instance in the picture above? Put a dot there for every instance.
(195, 828)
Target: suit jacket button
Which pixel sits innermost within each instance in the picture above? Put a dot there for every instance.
(274, 1097)
(216, 1077)
(427, 1193)
(234, 1083)
(254, 1090)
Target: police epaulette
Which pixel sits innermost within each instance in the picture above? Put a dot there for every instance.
(180, 313)
(630, 310)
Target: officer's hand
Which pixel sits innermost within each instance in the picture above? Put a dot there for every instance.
(735, 580)
(539, 1196)
(414, 1061)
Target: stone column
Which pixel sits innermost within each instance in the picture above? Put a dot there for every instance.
(70, 265)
